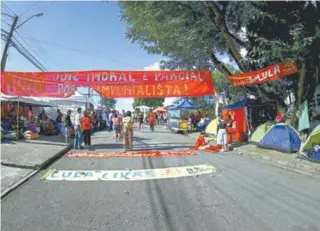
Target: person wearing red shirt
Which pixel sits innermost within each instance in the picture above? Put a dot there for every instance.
(152, 120)
(86, 128)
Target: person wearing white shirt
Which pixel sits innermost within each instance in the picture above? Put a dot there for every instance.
(110, 121)
(105, 118)
(78, 130)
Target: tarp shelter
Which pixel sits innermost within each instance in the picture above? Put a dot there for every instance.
(143, 108)
(260, 132)
(281, 137)
(212, 128)
(237, 112)
(248, 113)
(314, 138)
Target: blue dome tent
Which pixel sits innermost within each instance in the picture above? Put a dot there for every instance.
(281, 137)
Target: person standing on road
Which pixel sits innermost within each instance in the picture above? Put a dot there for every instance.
(86, 128)
(110, 116)
(67, 125)
(152, 120)
(78, 130)
(116, 120)
(128, 131)
(105, 118)
(140, 120)
(222, 134)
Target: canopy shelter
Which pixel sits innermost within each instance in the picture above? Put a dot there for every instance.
(185, 104)
(160, 110)
(143, 108)
(26, 101)
(19, 101)
(180, 110)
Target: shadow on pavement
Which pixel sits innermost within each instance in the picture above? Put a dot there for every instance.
(108, 146)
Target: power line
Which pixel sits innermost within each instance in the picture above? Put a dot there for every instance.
(40, 48)
(7, 16)
(36, 53)
(23, 51)
(85, 52)
(7, 9)
(29, 8)
(2, 20)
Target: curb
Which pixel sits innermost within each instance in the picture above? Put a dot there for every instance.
(287, 165)
(37, 168)
(18, 183)
(18, 165)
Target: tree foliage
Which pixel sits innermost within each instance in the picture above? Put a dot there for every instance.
(193, 35)
(150, 102)
(108, 102)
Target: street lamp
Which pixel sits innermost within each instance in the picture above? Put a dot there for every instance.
(9, 37)
(33, 16)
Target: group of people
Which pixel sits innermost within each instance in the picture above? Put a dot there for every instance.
(224, 135)
(121, 124)
(152, 120)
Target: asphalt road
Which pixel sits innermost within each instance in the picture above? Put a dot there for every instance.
(245, 195)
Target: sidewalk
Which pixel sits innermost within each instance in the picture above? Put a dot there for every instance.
(290, 162)
(23, 158)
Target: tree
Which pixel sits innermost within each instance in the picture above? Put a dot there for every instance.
(191, 35)
(108, 102)
(150, 102)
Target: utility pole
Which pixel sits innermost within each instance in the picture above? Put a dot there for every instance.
(10, 35)
(6, 47)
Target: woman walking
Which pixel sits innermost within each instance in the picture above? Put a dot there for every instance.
(128, 131)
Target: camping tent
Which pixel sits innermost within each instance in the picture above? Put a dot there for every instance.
(212, 127)
(258, 134)
(281, 137)
(314, 138)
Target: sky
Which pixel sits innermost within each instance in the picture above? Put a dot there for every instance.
(93, 27)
